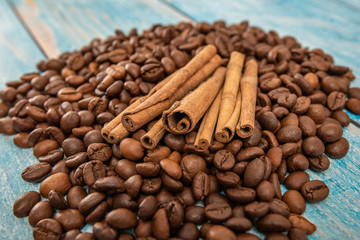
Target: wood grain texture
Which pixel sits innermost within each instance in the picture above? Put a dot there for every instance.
(18, 52)
(67, 25)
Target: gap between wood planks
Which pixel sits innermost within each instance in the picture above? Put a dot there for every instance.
(26, 27)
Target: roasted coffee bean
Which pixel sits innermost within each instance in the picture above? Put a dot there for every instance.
(123, 200)
(76, 160)
(151, 185)
(317, 113)
(201, 186)
(147, 208)
(314, 190)
(297, 162)
(23, 205)
(249, 153)
(99, 151)
(297, 233)
(217, 232)
(224, 160)
(295, 201)
(75, 195)
(72, 146)
(313, 146)
(228, 179)
(23, 124)
(276, 236)
(241, 195)
(330, 132)
(273, 222)
(307, 126)
(57, 200)
(298, 221)
(278, 206)
(191, 165)
(52, 157)
(42, 148)
(269, 121)
(70, 219)
(337, 149)
(110, 185)
(195, 214)
(121, 218)
(148, 169)
(254, 173)
(175, 142)
(103, 231)
(54, 133)
(125, 168)
(40, 211)
(47, 229)
(58, 181)
(256, 209)
(265, 191)
(131, 149)
(36, 172)
(320, 163)
(289, 134)
(93, 171)
(217, 212)
(296, 179)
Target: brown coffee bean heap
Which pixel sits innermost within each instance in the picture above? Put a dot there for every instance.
(61, 110)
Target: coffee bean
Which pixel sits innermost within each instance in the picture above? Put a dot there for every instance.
(279, 207)
(320, 163)
(44, 147)
(121, 218)
(241, 195)
(307, 126)
(217, 212)
(99, 151)
(191, 165)
(160, 225)
(103, 231)
(201, 186)
(110, 185)
(70, 219)
(171, 168)
(289, 134)
(297, 233)
(297, 162)
(337, 149)
(224, 160)
(296, 179)
(256, 209)
(313, 146)
(59, 182)
(298, 221)
(131, 149)
(57, 200)
(314, 191)
(36, 172)
(265, 191)
(317, 113)
(249, 153)
(76, 160)
(47, 229)
(52, 157)
(40, 211)
(151, 185)
(93, 171)
(54, 133)
(72, 146)
(254, 173)
(273, 222)
(295, 201)
(125, 168)
(23, 204)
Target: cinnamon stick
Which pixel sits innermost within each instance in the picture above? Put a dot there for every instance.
(182, 117)
(136, 118)
(207, 126)
(116, 127)
(248, 85)
(225, 130)
(154, 135)
(182, 75)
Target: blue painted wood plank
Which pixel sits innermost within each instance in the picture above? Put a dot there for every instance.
(18, 54)
(67, 25)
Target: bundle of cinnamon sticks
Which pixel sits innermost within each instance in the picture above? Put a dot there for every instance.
(223, 98)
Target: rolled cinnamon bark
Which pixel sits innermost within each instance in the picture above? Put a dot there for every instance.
(225, 130)
(207, 126)
(181, 76)
(116, 128)
(136, 118)
(248, 85)
(154, 135)
(182, 117)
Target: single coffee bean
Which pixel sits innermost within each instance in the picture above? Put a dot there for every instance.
(298, 221)
(121, 218)
(313, 146)
(276, 236)
(73, 146)
(131, 149)
(75, 195)
(76, 160)
(55, 133)
(103, 231)
(241, 195)
(69, 121)
(297, 162)
(279, 207)
(315, 191)
(191, 165)
(175, 142)
(70, 219)
(274, 179)
(265, 191)
(47, 229)
(93, 171)
(195, 214)
(21, 140)
(297, 233)
(23, 205)
(151, 185)
(59, 182)
(295, 201)
(273, 222)
(201, 186)
(320, 163)
(254, 173)
(307, 126)
(224, 160)
(44, 147)
(256, 209)
(217, 212)
(36, 172)
(228, 179)
(249, 153)
(52, 157)
(337, 149)
(296, 179)
(99, 151)
(289, 134)
(148, 169)
(171, 168)
(57, 200)
(330, 132)
(91, 201)
(110, 185)
(125, 168)
(123, 200)
(317, 113)
(40, 211)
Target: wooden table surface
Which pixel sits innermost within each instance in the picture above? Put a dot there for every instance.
(31, 30)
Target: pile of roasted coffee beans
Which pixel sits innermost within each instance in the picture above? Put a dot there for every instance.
(174, 191)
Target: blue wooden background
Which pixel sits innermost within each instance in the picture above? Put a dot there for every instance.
(31, 30)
